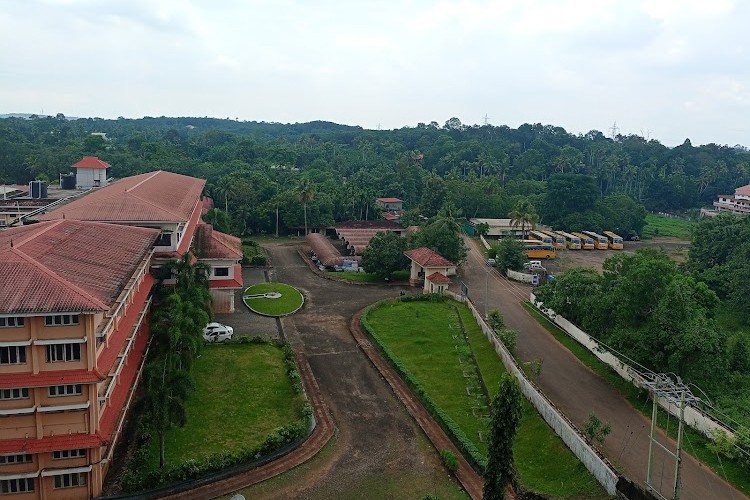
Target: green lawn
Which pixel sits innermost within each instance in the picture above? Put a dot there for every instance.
(428, 340)
(696, 443)
(659, 225)
(289, 302)
(242, 394)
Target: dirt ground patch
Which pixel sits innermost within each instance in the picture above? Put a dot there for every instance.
(676, 248)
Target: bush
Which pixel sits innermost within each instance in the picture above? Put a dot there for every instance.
(258, 260)
(449, 460)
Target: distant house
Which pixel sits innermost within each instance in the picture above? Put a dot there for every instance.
(425, 263)
(503, 227)
(739, 203)
(91, 172)
(390, 204)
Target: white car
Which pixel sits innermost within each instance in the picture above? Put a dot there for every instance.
(216, 332)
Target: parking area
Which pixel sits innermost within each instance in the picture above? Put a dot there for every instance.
(245, 322)
(567, 259)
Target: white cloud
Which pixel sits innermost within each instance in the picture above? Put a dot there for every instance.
(677, 68)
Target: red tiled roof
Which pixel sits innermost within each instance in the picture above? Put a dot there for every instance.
(742, 191)
(217, 245)
(390, 216)
(438, 278)
(42, 379)
(152, 197)
(229, 283)
(368, 224)
(428, 258)
(67, 265)
(91, 162)
(388, 200)
(50, 443)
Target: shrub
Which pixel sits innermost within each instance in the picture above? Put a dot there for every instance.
(258, 260)
(449, 460)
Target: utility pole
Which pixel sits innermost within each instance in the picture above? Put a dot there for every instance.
(676, 392)
(277, 221)
(486, 290)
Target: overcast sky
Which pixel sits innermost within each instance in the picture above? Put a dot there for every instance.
(664, 69)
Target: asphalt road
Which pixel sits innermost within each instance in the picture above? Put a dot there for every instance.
(579, 392)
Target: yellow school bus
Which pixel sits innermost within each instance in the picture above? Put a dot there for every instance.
(600, 242)
(541, 236)
(615, 242)
(572, 242)
(558, 241)
(587, 243)
(535, 249)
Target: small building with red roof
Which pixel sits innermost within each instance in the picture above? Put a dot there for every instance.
(390, 204)
(91, 172)
(73, 333)
(436, 283)
(426, 262)
(222, 253)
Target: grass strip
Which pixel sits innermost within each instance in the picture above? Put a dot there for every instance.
(424, 340)
(545, 464)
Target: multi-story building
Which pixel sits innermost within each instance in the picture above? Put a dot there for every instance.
(172, 204)
(74, 299)
(737, 204)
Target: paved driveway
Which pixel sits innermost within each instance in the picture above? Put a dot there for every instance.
(379, 451)
(245, 322)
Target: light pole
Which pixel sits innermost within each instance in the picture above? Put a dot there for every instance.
(486, 290)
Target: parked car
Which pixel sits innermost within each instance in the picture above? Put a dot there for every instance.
(216, 332)
(491, 262)
(533, 265)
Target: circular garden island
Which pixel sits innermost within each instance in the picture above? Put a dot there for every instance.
(273, 299)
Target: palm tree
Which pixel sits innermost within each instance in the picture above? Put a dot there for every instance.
(166, 392)
(524, 213)
(226, 188)
(305, 194)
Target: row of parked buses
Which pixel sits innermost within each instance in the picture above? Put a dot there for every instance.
(544, 244)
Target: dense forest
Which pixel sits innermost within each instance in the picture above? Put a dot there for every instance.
(585, 181)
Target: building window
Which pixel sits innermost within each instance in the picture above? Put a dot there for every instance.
(62, 454)
(17, 393)
(11, 322)
(63, 352)
(70, 480)
(23, 458)
(13, 355)
(221, 271)
(17, 485)
(164, 240)
(61, 319)
(65, 390)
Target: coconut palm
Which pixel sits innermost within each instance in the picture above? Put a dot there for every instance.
(166, 390)
(305, 193)
(524, 214)
(226, 187)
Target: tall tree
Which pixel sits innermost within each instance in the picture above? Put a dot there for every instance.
(505, 413)
(524, 214)
(166, 392)
(305, 194)
(385, 254)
